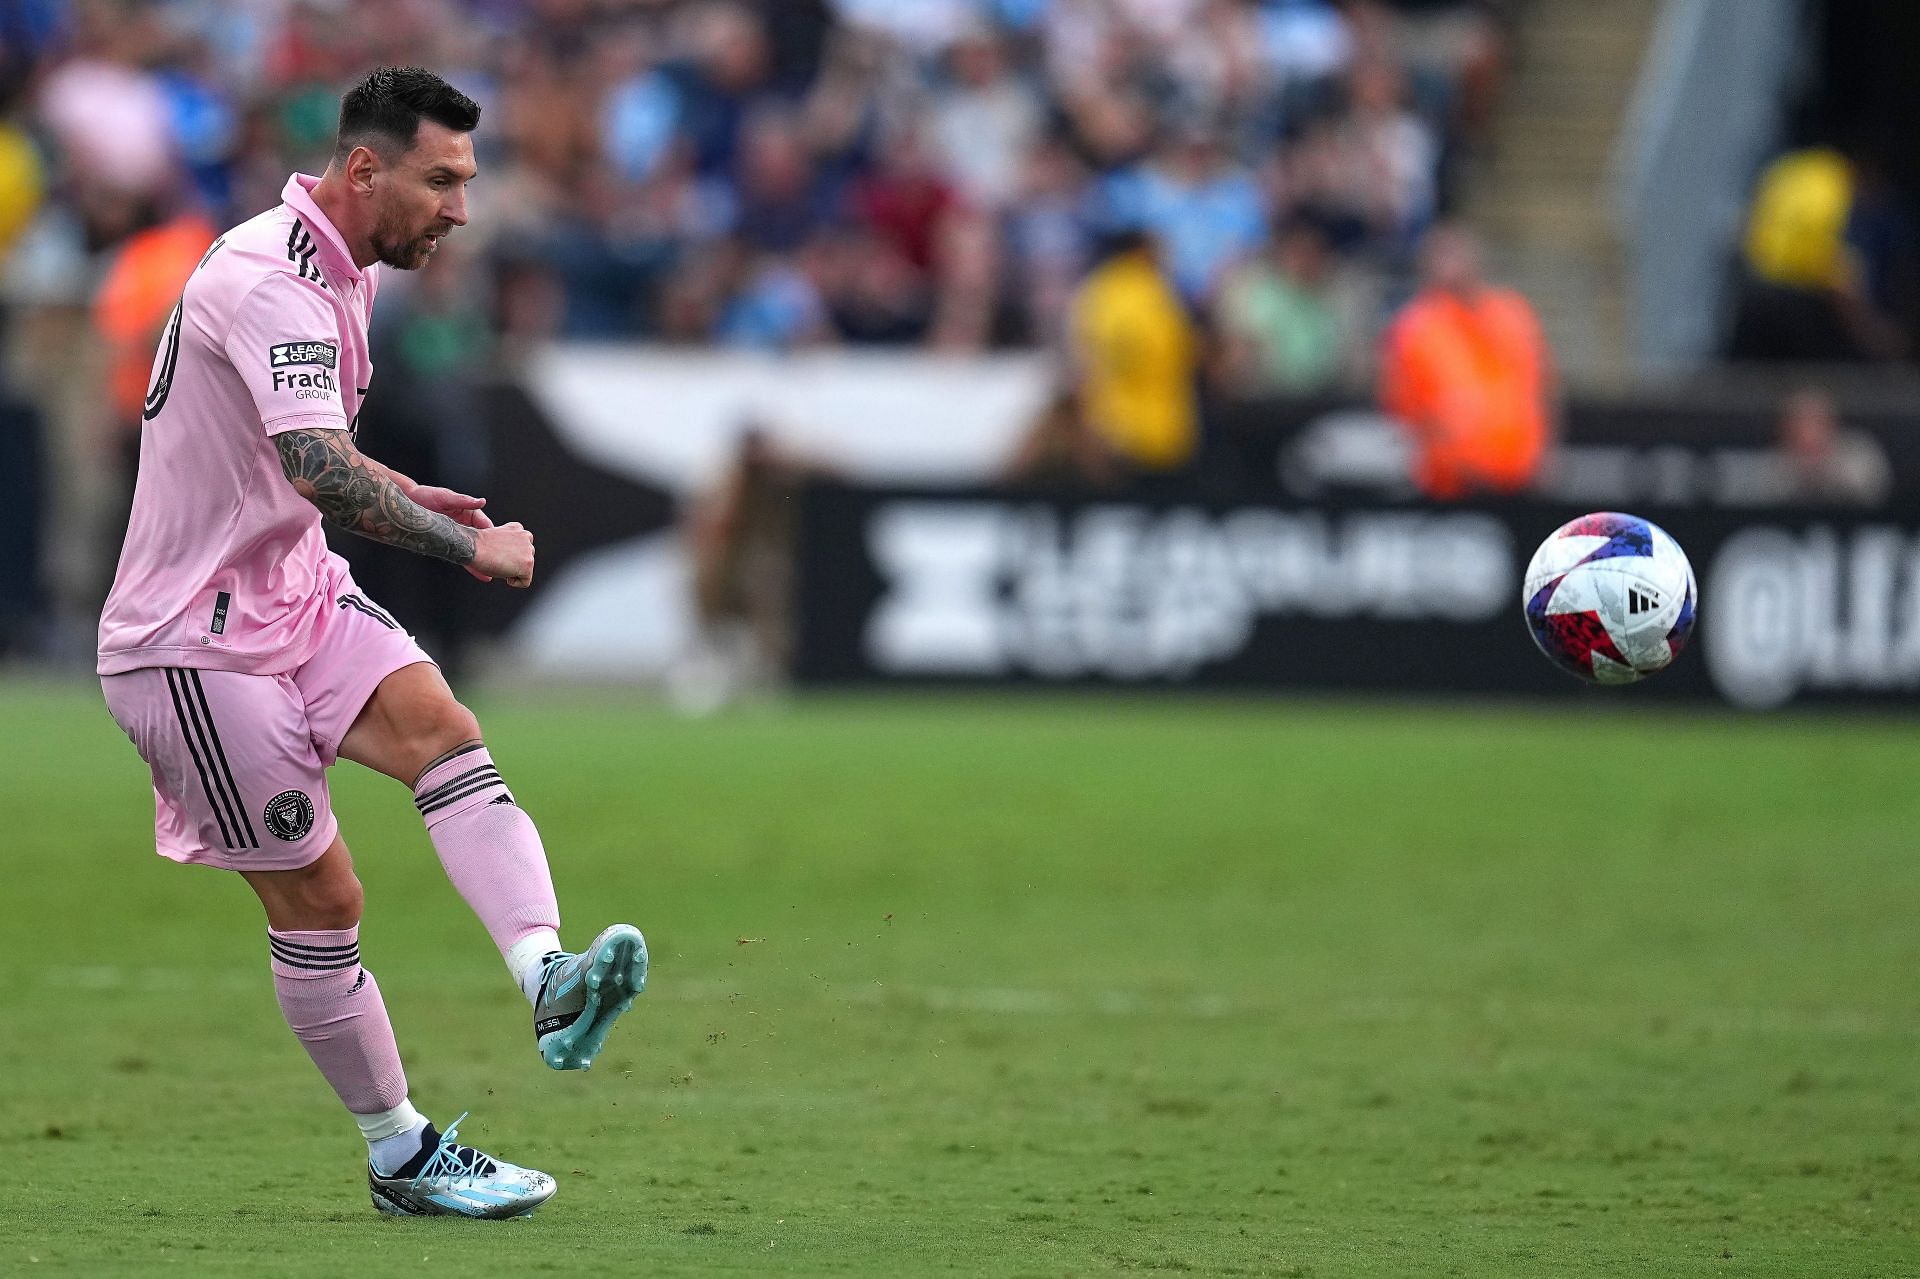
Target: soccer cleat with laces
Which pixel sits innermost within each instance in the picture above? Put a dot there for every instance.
(452, 1180)
(582, 995)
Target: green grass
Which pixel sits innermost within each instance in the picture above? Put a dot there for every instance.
(1040, 987)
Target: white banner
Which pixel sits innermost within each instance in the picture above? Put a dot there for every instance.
(675, 419)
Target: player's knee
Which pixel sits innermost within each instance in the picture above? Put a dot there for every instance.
(329, 901)
(447, 726)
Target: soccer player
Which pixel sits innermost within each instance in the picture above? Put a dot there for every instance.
(238, 655)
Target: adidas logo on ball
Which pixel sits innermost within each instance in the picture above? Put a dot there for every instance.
(1609, 598)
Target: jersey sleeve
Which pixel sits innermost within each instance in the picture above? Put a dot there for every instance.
(285, 344)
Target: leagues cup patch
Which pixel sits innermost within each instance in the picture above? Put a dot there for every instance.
(289, 815)
(287, 354)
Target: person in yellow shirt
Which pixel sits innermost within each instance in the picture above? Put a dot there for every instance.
(21, 185)
(1138, 359)
(1797, 231)
(1807, 291)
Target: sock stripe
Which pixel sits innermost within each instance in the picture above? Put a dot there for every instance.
(317, 952)
(451, 782)
(305, 955)
(484, 784)
(302, 951)
(474, 787)
(448, 758)
(351, 961)
(485, 772)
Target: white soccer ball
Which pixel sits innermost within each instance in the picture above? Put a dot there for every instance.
(1610, 598)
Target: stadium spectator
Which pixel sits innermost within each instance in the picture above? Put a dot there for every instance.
(1824, 463)
(780, 305)
(1049, 241)
(106, 113)
(21, 446)
(1304, 42)
(779, 200)
(641, 111)
(1201, 204)
(1137, 356)
(874, 294)
(138, 293)
(1372, 171)
(1282, 329)
(906, 198)
(798, 33)
(22, 184)
(1466, 370)
(1455, 49)
(984, 120)
(141, 286)
(21, 452)
(1821, 261)
(970, 313)
(925, 27)
(728, 80)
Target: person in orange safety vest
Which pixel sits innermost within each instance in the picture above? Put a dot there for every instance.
(1465, 368)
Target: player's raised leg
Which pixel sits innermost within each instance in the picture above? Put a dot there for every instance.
(333, 1005)
(414, 730)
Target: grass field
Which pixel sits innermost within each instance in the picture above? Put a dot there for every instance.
(1041, 987)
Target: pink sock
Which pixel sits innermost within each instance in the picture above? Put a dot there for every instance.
(493, 855)
(334, 1007)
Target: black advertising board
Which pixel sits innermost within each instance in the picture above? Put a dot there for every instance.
(991, 587)
(1677, 451)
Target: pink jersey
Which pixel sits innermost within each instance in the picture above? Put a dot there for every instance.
(224, 565)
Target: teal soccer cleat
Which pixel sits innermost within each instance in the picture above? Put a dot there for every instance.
(450, 1180)
(582, 995)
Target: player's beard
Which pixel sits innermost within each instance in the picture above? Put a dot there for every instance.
(393, 245)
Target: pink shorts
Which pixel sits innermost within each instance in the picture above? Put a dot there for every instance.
(240, 762)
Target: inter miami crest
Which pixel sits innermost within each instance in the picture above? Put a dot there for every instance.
(289, 815)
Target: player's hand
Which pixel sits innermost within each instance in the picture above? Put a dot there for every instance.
(504, 551)
(458, 507)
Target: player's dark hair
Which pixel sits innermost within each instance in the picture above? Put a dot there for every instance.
(385, 109)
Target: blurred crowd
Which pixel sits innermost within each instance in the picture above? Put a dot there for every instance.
(773, 173)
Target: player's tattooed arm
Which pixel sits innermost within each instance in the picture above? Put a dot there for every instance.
(357, 494)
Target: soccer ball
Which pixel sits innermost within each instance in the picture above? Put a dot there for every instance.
(1610, 598)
